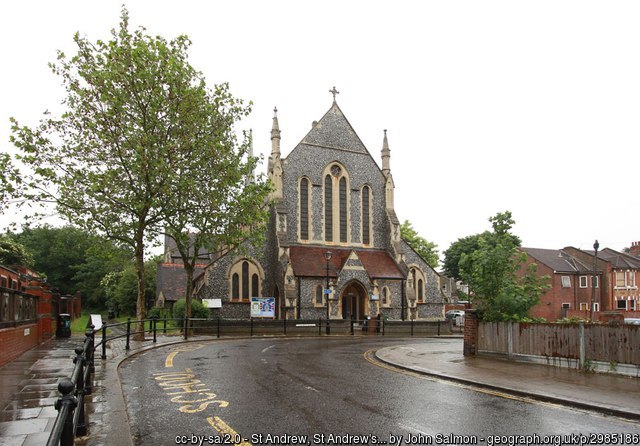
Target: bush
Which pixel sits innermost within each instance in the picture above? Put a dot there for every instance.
(197, 309)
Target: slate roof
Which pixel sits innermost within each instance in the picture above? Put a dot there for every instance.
(558, 260)
(171, 279)
(334, 130)
(309, 261)
(618, 260)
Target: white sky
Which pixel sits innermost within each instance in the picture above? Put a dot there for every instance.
(532, 107)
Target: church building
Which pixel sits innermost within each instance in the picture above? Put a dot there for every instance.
(333, 226)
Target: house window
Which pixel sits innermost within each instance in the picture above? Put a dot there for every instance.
(584, 306)
(3, 281)
(366, 216)
(596, 306)
(304, 209)
(566, 282)
(621, 304)
(594, 281)
(631, 279)
(319, 301)
(632, 305)
(566, 306)
(583, 282)
(620, 279)
(246, 280)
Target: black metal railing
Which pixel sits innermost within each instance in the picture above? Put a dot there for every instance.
(71, 421)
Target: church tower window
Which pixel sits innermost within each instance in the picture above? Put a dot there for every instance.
(255, 281)
(328, 209)
(343, 210)
(304, 209)
(336, 204)
(366, 216)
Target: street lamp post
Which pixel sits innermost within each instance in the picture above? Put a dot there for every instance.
(596, 245)
(327, 256)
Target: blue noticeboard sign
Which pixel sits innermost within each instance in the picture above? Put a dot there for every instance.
(328, 291)
(263, 307)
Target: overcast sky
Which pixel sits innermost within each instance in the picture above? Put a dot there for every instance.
(532, 107)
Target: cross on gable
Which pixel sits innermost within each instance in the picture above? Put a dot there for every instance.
(334, 92)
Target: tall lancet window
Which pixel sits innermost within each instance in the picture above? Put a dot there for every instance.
(336, 204)
(328, 209)
(366, 215)
(343, 210)
(304, 209)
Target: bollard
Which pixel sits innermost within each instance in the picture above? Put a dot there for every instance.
(285, 324)
(411, 326)
(319, 326)
(104, 342)
(155, 323)
(164, 325)
(218, 328)
(127, 347)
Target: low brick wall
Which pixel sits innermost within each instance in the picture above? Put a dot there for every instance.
(17, 340)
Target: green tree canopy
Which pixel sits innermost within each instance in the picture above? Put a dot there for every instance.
(137, 116)
(501, 289)
(426, 249)
(14, 253)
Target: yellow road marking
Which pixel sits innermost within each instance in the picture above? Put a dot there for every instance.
(223, 428)
(169, 361)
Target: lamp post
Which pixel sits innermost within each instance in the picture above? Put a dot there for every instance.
(596, 245)
(327, 256)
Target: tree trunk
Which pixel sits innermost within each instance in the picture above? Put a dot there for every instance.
(141, 308)
(188, 268)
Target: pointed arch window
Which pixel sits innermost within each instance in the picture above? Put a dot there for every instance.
(336, 204)
(343, 210)
(235, 287)
(328, 209)
(319, 297)
(366, 215)
(245, 279)
(304, 209)
(417, 284)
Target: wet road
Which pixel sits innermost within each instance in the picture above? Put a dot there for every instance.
(270, 391)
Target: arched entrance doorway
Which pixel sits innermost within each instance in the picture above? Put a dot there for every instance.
(354, 302)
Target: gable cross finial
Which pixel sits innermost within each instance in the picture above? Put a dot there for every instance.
(334, 92)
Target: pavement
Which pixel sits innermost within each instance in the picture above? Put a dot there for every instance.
(28, 385)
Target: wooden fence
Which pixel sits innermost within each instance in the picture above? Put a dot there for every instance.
(584, 343)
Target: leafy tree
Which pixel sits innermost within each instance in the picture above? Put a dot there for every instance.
(199, 310)
(10, 181)
(426, 249)
(226, 212)
(501, 289)
(124, 287)
(14, 253)
(56, 252)
(135, 107)
(452, 255)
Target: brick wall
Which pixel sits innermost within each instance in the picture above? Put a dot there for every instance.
(15, 341)
(470, 347)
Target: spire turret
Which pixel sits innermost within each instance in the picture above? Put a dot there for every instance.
(386, 155)
(275, 135)
(275, 163)
(251, 178)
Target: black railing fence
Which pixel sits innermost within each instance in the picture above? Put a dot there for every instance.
(71, 423)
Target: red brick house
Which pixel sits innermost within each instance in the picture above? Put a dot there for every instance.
(571, 284)
(620, 282)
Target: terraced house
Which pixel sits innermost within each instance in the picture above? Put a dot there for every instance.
(332, 220)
